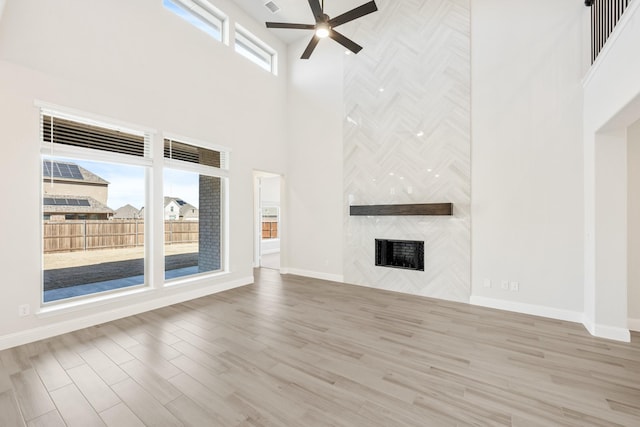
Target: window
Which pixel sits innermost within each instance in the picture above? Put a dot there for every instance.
(270, 220)
(202, 15)
(89, 170)
(194, 192)
(252, 48)
(95, 178)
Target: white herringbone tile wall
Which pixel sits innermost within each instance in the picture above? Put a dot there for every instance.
(407, 140)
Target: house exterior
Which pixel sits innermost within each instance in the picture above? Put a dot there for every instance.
(72, 192)
(128, 212)
(177, 209)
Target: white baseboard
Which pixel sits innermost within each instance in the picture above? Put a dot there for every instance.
(600, 331)
(608, 332)
(313, 274)
(58, 328)
(270, 251)
(634, 324)
(520, 307)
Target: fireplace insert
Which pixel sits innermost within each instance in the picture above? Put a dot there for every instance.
(405, 254)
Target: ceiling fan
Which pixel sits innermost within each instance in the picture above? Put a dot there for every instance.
(324, 26)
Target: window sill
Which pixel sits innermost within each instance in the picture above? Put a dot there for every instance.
(194, 279)
(53, 309)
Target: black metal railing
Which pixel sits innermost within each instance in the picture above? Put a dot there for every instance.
(605, 14)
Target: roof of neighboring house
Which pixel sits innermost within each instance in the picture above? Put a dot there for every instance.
(69, 172)
(73, 204)
(169, 199)
(185, 208)
(127, 211)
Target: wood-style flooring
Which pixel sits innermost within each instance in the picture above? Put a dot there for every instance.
(292, 351)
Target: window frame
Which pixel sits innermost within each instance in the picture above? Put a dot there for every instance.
(154, 165)
(204, 12)
(56, 150)
(223, 174)
(260, 49)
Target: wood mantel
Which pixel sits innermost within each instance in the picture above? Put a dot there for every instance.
(410, 209)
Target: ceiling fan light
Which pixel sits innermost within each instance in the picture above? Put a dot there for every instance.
(322, 30)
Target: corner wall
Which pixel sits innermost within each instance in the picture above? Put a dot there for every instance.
(313, 200)
(527, 172)
(611, 105)
(633, 224)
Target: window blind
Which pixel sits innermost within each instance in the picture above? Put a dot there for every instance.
(193, 154)
(60, 130)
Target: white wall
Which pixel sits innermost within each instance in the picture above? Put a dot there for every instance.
(270, 191)
(314, 205)
(527, 199)
(633, 223)
(134, 62)
(611, 105)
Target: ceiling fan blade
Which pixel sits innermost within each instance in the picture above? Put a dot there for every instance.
(348, 43)
(356, 13)
(316, 9)
(312, 45)
(293, 26)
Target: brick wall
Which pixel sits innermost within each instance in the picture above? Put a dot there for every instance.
(210, 242)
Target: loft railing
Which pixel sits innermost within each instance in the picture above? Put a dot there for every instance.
(605, 14)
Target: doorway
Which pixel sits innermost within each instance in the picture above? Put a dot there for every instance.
(268, 220)
(633, 225)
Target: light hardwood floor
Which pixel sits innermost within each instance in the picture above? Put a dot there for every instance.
(291, 351)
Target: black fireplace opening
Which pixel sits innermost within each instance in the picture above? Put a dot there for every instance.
(405, 254)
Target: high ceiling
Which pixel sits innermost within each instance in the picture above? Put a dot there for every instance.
(296, 11)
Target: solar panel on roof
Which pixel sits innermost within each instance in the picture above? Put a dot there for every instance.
(61, 170)
(65, 202)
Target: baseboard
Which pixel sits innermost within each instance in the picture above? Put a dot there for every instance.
(313, 274)
(520, 307)
(591, 327)
(271, 251)
(634, 324)
(600, 331)
(80, 322)
(609, 332)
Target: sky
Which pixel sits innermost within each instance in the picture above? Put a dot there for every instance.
(126, 183)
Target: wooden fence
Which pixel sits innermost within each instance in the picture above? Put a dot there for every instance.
(69, 236)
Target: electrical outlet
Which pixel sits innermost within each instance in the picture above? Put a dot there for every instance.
(504, 285)
(23, 310)
(487, 283)
(514, 286)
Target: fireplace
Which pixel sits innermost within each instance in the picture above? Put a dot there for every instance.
(405, 254)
